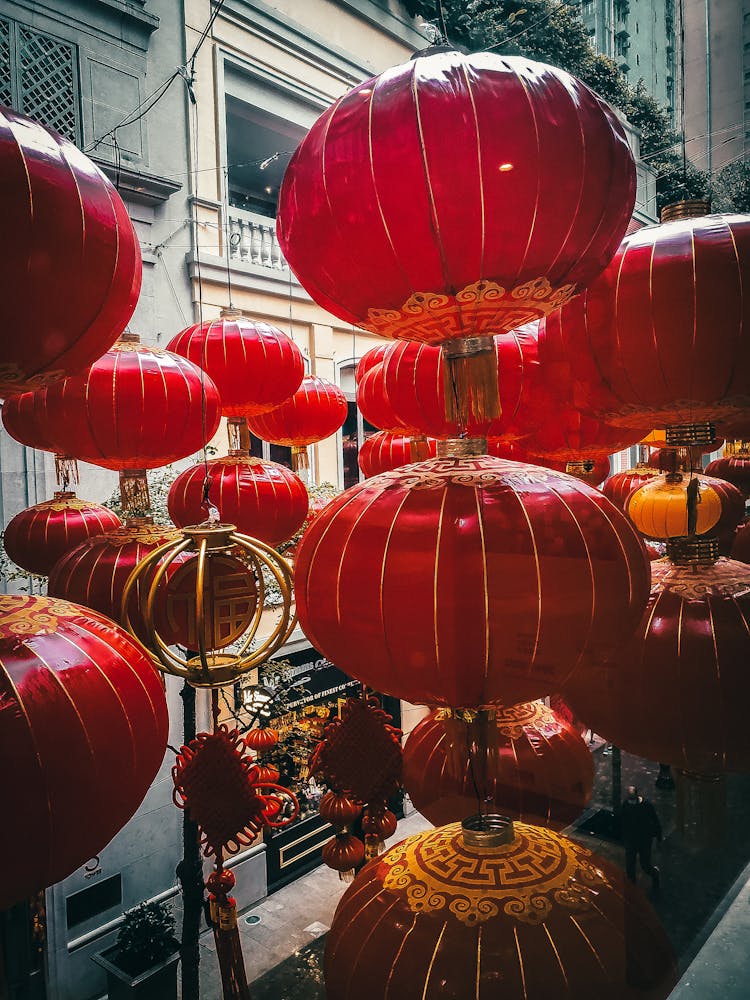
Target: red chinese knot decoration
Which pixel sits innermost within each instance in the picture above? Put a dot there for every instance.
(71, 270)
(84, 721)
(217, 782)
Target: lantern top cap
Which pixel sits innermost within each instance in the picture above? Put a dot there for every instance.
(217, 536)
(688, 209)
(439, 48)
(229, 312)
(129, 338)
(491, 830)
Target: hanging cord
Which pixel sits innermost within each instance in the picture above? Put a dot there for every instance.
(441, 18)
(228, 237)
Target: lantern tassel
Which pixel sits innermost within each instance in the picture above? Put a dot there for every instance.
(66, 471)
(471, 380)
(134, 495)
(227, 936)
(472, 740)
(300, 459)
(347, 876)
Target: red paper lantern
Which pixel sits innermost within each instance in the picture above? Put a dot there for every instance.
(315, 411)
(94, 573)
(405, 238)
(40, 535)
(375, 356)
(592, 470)
(539, 769)
(443, 914)
(264, 500)
(137, 407)
(343, 853)
(261, 739)
(25, 419)
(677, 692)
(619, 487)
(735, 469)
(740, 546)
(71, 272)
(415, 384)
(375, 405)
(662, 337)
(83, 735)
(569, 435)
(255, 366)
(424, 582)
(383, 451)
(339, 810)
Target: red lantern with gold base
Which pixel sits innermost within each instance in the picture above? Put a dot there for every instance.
(137, 407)
(537, 769)
(315, 411)
(619, 487)
(40, 535)
(397, 239)
(95, 572)
(495, 909)
(72, 271)
(734, 469)
(662, 336)
(424, 582)
(265, 500)
(254, 365)
(85, 726)
(382, 452)
(690, 654)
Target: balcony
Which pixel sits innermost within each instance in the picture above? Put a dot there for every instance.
(252, 240)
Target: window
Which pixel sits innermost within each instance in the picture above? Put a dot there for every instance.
(39, 77)
(270, 452)
(637, 59)
(82, 906)
(354, 431)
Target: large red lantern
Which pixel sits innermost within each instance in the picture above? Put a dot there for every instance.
(71, 272)
(25, 419)
(137, 407)
(375, 356)
(254, 365)
(469, 581)
(662, 337)
(382, 451)
(537, 769)
(507, 911)
(315, 411)
(264, 500)
(40, 535)
(95, 572)
(83, 733)
(401, 236)
(592, 470)
(677, 692)
(415, 384)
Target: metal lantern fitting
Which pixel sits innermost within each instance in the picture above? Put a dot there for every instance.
(230, 617)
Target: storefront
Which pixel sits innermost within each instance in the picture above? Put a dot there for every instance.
(315, 692)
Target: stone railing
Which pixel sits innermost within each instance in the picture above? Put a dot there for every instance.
(252, 239)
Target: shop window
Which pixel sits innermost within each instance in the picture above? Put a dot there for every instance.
(82, 906)
(39, 77)
(270, 452)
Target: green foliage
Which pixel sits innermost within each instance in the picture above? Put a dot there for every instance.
(553, 33)
(731, 188)
(146, 937)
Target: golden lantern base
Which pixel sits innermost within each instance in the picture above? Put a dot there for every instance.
(689, 208)
(693, 551)
(701, 432)
(461, 447)
(218, 670)
(492, 830)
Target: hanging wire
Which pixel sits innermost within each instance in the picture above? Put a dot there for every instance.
(228, 238)
(534, 24)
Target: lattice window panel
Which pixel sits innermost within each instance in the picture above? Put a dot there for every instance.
(47, 81)
(6, 93)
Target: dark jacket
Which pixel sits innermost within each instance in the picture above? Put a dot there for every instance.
(639, 821)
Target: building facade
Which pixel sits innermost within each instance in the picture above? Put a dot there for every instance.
(642, 37)
(717, 81)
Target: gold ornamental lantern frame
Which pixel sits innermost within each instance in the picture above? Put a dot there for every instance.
(209, 668)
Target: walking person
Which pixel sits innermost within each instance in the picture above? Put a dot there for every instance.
(640, 825)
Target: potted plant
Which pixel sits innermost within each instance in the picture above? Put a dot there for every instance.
(142, 964)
